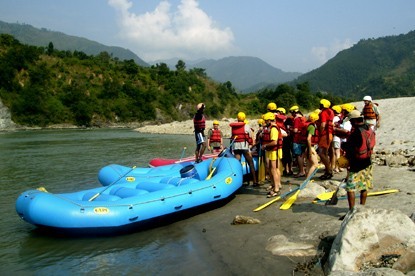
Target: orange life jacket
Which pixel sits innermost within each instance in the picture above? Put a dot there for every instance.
(238, 129)
(215, 137)
(369, 112)
(266, 138)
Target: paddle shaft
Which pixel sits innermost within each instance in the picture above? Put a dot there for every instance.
(358, 195)
(290, 201)
(221, 158)
(98, 194)
(183, 151)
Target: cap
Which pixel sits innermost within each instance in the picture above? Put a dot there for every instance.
(355, 114)
(367, 98)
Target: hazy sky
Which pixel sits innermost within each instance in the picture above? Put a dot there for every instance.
(292, 35)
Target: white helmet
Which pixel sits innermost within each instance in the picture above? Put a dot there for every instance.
(367, 98)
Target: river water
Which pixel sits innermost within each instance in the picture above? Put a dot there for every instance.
(69, 160)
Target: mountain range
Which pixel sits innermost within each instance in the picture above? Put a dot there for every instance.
(247, 74)
(382, 67)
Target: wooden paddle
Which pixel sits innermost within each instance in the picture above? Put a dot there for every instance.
(290, 201)
(98, 194)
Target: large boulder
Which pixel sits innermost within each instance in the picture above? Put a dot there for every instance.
(368, 236)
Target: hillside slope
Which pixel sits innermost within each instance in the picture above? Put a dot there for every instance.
(382, 67)
(28, 34)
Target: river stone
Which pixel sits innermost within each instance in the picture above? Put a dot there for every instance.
(245, 220)
(366, 234)
(312, 190)
(280, 245)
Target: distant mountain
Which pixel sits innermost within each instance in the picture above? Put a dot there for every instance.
(28, 34)
(382, 67)
(247, 74)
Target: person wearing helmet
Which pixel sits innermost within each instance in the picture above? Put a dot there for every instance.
(272, 107)
(215, 140)
(311, 137)
(337, 120)
(199, 123)
(298, 143)
(326, 137)
(370, 113)
(243, 139)
(359, 148)
(271, 141)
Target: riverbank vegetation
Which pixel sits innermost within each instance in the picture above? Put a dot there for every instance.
(43, 86)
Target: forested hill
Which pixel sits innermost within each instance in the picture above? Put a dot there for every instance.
(28, 34)
(43, 86)
(383, 68)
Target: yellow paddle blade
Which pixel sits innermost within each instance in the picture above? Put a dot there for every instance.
(267, 204)
(211, 174)
(261, 174)
(42, 189)
(287, 204)
(325, 196)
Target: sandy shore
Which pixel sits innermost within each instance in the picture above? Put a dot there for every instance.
(304, 222)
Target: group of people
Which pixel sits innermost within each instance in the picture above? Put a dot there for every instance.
(329, 134)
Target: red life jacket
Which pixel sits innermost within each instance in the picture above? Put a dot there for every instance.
(215, 137)
(304, 133)
(329, 123)
(266, 138)
(368, 143)
(300, 122)
(199, 124)
(238, 129)
(369, 112)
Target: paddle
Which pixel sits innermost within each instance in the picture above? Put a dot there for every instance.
(334, 199)
(385, 192)
(183, 151)
(221, 158)
(98, 194)
(287, 204)
(274, 200)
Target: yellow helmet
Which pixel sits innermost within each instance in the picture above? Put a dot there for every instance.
(261, 122)
(294, 108)
(281, 109)
(325, 103)
(342, 162)
(337, 108)
(269, 116)
(241, 116)
(313, 117)
(317, 111)
(215, 122)
(272, 106)
(348, 107)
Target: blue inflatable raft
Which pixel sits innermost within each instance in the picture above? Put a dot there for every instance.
(132, 197)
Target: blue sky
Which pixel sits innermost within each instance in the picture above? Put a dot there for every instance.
(292, 35)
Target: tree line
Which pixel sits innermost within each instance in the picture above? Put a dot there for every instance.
(43, 86)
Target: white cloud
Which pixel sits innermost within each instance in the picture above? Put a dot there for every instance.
(187, 32)
(323, 53)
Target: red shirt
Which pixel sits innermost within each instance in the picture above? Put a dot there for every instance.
(327, 116)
